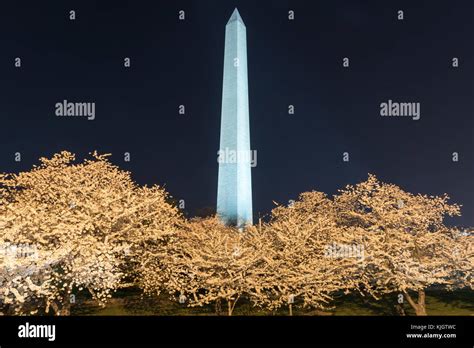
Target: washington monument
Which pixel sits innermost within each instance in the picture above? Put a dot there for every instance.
(234, 189)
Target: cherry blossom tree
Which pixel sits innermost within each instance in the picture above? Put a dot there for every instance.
(68, 227)
(407, 246)
(303, 258)
(87, 222)
(206, 263)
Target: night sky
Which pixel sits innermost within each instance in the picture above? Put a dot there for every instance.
(296, 62)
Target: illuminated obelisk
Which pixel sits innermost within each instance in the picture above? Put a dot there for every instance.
(234, 190)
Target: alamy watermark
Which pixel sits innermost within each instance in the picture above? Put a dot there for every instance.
(337, 251)
(9, 250)
(84, 109)
(229, 156)
(37, 331)
(391, 108)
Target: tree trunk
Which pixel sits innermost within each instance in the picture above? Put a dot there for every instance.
(218, 307)
(399, 309)
(421, 303)
(231, 305)
(65, 309)
(291, 309)
(420, 306)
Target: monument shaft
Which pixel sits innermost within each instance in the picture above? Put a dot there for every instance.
(234, 191)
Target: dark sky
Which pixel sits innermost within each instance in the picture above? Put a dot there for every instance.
(290, 62)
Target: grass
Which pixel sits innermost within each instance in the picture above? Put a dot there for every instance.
(131, 302)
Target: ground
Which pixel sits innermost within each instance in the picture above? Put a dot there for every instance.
(130, 302)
